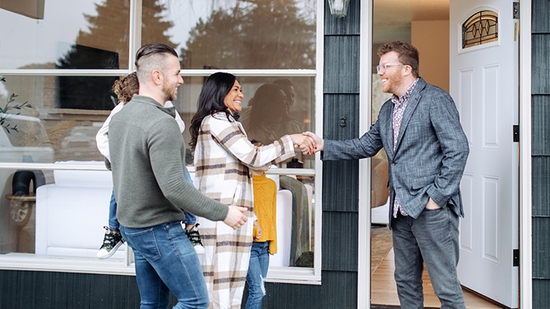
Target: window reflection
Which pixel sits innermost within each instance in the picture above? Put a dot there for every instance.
(299, 114)
(59, 40)
(47, 120)
(236, 34)
(46, 133)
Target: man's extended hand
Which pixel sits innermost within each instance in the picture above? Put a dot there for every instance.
(319, 142)
(306, 144)
(235, 217)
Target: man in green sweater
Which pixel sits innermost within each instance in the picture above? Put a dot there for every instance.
(148, 159)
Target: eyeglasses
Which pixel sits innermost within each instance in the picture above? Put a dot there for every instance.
(383, 68)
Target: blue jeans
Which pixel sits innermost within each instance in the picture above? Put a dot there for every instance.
(257, 271)
(113, 221)
(432, 238)
(165, 260)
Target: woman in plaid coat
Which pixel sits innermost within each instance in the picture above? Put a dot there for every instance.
(223, 156)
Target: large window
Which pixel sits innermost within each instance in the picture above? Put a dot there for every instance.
(56, 70)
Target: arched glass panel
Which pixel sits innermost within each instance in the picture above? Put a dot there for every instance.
(480, 28)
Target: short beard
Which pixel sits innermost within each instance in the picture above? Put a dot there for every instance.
(168, 96)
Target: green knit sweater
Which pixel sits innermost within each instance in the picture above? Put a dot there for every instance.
(148, 157)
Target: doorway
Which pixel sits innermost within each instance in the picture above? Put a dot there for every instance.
(400, 20)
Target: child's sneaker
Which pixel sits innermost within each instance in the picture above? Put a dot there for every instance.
(111, 242)
(195, 238)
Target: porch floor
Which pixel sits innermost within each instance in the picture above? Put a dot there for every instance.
(384, 291)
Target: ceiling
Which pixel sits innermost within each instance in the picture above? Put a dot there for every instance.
(392, 18)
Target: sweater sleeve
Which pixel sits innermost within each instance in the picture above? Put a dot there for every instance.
(167, 163)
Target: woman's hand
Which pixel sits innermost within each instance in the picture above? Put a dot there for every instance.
(259, 230)
(306, 143)
(319, 142)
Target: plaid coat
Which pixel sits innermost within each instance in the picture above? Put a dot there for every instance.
(223, 155)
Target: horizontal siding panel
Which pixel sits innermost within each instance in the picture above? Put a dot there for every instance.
(339, 239)
(45, 290)
(341, 119)
(540, 63)
(541, 297)
(541, 125)
(540, 23)
(541, 187)
(341, 68)
(541, 248)
(339, 290)
(340, 186)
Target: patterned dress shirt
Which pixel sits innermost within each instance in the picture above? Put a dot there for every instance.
(399, 106)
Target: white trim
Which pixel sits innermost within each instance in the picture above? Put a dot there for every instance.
(101, 72)
(319, 100)
(364, 216)
(81, 265)
(99, 166)
(134, 41)
(525, 167)
(293, 275)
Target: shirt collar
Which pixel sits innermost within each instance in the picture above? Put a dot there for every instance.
(405, 98)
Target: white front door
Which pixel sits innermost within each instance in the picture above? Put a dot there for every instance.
(484, 85)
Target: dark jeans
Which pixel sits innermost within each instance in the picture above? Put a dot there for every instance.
(431, 238)
(165, 260)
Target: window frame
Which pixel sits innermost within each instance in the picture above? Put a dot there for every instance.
(293, 275)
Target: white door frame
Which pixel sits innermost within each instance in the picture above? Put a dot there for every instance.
(525, 172)
(525, 168)
(364, 215)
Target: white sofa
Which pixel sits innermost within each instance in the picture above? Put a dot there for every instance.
(71, 213)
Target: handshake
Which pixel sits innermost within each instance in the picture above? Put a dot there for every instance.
(308, 142)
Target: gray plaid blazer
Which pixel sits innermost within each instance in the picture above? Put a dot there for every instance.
(430, 155)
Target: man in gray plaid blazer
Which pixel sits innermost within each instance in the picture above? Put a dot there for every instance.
(427, 149)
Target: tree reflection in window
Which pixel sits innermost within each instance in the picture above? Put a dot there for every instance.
(104, 45)
(260, 34)
(480, 28)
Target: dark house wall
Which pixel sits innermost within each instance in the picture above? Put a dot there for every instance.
(541, 152)
(29, 289)
(52, 290)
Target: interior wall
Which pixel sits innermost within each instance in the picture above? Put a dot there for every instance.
(431, 38)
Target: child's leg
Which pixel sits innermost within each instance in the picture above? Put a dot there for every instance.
(112, 239)
(113, 221)
(190, 219)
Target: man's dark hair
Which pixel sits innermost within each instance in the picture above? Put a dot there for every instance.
(407, 54)
(151, 49)
(152, 57)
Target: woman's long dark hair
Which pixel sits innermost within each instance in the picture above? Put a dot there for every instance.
(213, 91)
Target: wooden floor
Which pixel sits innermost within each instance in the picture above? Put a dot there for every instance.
(384, 292)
